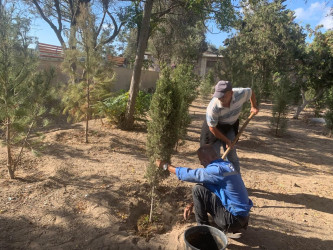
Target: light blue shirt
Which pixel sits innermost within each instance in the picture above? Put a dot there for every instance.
(220, 178)
(216, 113)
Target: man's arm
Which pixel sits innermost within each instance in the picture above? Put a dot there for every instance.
(220, 136)
(253, 100)
(171, 169)
(188, 211)
(199, 175)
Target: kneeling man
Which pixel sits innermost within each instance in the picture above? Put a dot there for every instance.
(220, 191)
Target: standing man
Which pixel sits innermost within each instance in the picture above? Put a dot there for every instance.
(221, 191)
(221, 124)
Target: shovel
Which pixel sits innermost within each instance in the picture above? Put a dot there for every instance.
(238, 135)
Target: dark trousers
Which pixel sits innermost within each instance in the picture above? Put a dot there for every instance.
(230, 131)
(207, 202)
(207, 137)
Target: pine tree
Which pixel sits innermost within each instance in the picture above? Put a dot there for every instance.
(281, 99)
(22, 96)
(97, 76)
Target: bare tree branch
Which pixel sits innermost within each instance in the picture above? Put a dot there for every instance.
(56, 4)
(101, 24)
(115, 32)
(19, 157)
(55, 29)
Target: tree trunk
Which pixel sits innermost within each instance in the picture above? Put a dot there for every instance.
(88, 109)
(136, 75)
(9, 153)
(306, 102)
(151, 205)
(300, 109)
(277, 125)
(72, 46)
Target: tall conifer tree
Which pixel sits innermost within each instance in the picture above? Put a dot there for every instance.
(21, 95)
(97, 74)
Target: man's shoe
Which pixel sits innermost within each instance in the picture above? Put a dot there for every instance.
(234, 235)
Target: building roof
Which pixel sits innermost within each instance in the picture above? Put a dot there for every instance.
(210, 54)
(48, 51)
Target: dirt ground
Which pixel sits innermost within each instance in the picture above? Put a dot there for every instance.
(91, 196)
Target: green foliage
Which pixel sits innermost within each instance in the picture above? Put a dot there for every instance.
(178, 38)
(222, 12)
(102, 87)
(314, 75)
(48, 95)
(319, 61)
(177, 31)
(75, 98)
(329, 113)
(169, 116)
(188, 83)
(74, 102)
(268, 41)
(114, 107)
(96, 82)
(163, 126)
(129, 37)
(23, 90)
(281, 100)
(329, 121)
(207, 84)
(142, 105)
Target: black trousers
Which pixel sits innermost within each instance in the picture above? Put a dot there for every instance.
(207, 137)
(207, 202)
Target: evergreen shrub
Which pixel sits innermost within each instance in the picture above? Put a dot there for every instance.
(281, 100)
(188, 83)
(329, 113)
(163, 126)
(207, 84)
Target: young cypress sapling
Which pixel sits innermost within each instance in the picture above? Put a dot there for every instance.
(281, 102)
(163, 127)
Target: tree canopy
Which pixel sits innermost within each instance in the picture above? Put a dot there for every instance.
(268, 41)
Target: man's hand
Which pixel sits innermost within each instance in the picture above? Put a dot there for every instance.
(254, 110)
(221, 136)
(188, 211)
(229, 144)
(253, 101)
(159, 163)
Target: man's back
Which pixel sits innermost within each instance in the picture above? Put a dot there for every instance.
(221, 179)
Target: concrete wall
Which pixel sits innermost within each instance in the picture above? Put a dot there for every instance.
(124, 75)
(122, 81)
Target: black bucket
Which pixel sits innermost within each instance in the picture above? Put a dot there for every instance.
(205, 238)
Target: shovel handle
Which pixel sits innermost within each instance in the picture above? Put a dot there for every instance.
(238, 135)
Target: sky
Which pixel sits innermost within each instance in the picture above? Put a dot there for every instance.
(313, 12)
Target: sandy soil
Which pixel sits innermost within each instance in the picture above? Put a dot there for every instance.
(90, 196)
